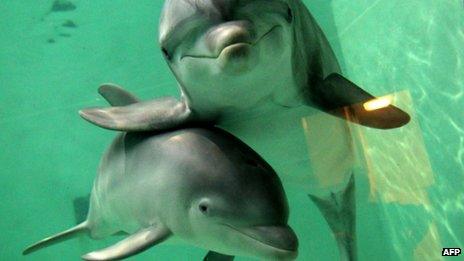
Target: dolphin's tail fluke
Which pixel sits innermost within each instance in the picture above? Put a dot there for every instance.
(60, 237)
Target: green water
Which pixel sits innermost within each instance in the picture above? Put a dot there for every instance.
(49, 155)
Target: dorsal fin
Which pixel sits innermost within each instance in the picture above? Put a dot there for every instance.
(116, 95)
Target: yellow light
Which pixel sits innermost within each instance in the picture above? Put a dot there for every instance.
(378, 103)
(176, 138)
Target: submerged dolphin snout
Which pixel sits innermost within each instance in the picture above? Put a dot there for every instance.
(280, 237)
(229, 33)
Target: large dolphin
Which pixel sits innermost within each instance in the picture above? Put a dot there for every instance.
(254, 65)
(201, 185)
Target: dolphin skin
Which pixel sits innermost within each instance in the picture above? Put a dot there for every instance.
(201, 185)
(254, 65)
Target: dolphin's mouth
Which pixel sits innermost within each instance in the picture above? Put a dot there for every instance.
(282, 238)
(232, 44)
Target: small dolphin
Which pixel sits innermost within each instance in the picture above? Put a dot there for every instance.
(201, 185)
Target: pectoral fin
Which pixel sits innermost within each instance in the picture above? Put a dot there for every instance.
(159, 114)
(132, 245)
(116, 95)
(60, 237)
(339, 96)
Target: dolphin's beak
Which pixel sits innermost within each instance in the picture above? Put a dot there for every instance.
(280, 237)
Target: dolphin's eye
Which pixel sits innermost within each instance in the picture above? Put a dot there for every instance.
(289, 15)
(166, 53)
(203, 208)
